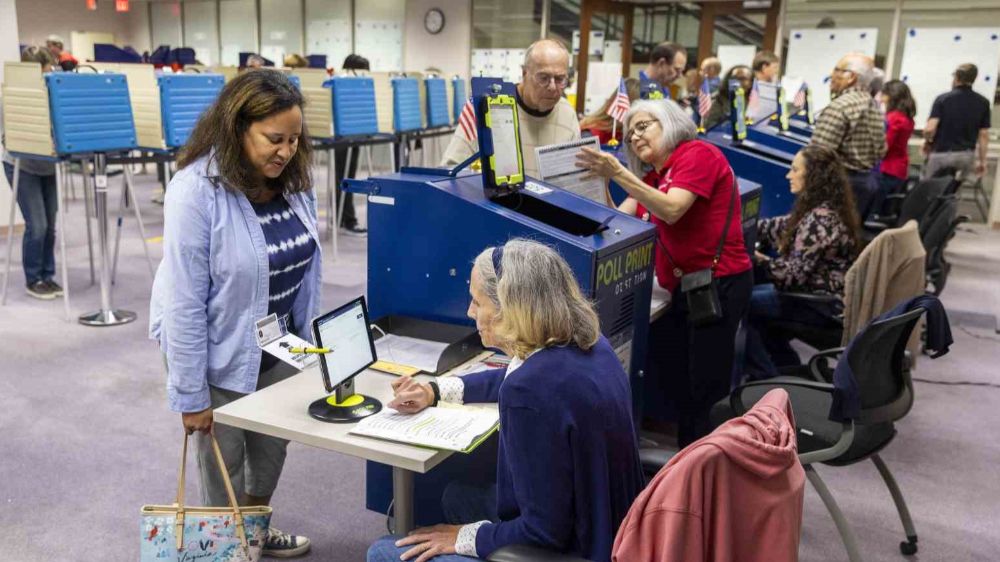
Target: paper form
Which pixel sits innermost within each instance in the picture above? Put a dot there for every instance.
(404, 350)
(440, 428)
(557, 166)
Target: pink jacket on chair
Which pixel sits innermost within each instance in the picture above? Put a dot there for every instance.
(732, 496)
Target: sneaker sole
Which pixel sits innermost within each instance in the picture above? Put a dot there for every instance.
(41, 297)
(291, 553)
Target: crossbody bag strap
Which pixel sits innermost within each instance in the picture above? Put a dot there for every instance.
(729, 219)
(725, 230)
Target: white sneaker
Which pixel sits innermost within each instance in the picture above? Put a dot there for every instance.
(280, 544)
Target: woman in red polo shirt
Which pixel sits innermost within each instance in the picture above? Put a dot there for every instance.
(899, 111)
(687, 195)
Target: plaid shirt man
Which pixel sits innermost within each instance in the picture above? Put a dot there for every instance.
(853, 126)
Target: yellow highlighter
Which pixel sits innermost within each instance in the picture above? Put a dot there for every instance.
(318, 350)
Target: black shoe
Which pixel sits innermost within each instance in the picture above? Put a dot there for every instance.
(56, 289)
(41, 290)
(357, 231)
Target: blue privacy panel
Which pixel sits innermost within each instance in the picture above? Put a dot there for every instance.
(183, 98)
(458, 98)
(437, 102)
(295, 80)
(353, 105)
(90, 112)
(406, 105)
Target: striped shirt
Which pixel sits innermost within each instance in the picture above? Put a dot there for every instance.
(853, 126)
(290, 249)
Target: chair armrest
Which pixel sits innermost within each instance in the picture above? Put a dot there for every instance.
(818, 298)
(820, 455)
(816, 370)
(526, 553)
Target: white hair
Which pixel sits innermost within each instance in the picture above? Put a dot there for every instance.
(675, 125)
(530, 52)
(539, 302)
(863, 67)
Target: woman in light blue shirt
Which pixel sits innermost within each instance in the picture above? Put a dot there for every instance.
(239, 243)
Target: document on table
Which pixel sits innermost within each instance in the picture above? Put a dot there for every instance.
(404, 350)
(450, 429)
(557, 165)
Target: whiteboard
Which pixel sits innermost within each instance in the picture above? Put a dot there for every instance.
(381, 42)
(732, 55)
(931, 55)
(812, 54)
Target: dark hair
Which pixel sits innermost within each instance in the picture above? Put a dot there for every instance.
(723, 92)
(900, 98)
(826, 181)
(246, 99)
(666, 50)
(762, 59)
(356, 62)
(966, 73)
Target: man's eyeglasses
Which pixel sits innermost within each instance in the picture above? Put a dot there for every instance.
(543, 79)
(843, 70)
(641, 127)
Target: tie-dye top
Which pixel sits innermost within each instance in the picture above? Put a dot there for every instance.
(821, 252)
(289, 251)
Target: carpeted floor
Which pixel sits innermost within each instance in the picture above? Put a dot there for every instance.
(86, 437)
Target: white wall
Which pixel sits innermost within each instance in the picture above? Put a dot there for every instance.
(37, 19)
(448, 50)
(8, 51)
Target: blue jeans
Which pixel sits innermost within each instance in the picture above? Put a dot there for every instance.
(865, 187)
(886, 185)
(766, 350)
(39, 203)
(463, 503)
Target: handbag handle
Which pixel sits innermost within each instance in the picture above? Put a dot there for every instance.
(237, 514)
(725, 229)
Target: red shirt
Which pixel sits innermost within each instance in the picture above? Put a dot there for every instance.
(700, 168)
(899, 128)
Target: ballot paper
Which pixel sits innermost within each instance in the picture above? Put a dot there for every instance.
(557, 166)
(404, 350)
(452, 429)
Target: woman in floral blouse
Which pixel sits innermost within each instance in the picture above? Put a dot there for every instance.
(807, 251)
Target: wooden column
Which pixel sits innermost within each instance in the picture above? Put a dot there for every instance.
(706, 32)
(582, 59)
(627, 40)
(771, 28)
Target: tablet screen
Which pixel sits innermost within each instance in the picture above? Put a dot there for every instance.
(345, 333)
(505, 147)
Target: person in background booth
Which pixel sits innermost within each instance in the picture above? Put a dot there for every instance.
(39, 203)
(568, 467)
(710, 70)
(766, 67)
(598, 124)
(722, 102)
(900, 109)
(63, 58)
(689, 194)
(543, 114)
(239, 244)
(806, 251)
(667, 62)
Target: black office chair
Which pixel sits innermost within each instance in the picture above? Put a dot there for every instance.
(881, 367)
(916, 204)
(525, 553)
(938, 230)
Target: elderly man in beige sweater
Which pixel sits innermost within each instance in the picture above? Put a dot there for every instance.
(545, 117)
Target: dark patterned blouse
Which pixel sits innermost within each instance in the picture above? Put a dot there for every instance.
(820, 254)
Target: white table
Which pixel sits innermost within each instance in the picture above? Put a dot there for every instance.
(281, 410)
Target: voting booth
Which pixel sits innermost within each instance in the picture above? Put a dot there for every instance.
(755, 161)
(427, 225)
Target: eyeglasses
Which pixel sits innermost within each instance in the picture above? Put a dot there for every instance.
(543, 79)
(641, 127)
(842, 70)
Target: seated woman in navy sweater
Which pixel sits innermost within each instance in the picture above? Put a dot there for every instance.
(568, 466)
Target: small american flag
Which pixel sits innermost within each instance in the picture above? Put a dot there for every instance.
(754, 100)
(467, 121)
(621, 104)
(800, 96)
(704, 98)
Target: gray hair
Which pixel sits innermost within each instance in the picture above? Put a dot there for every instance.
(677, 127)
(863, 67)
(530, 52)
(538, 299)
